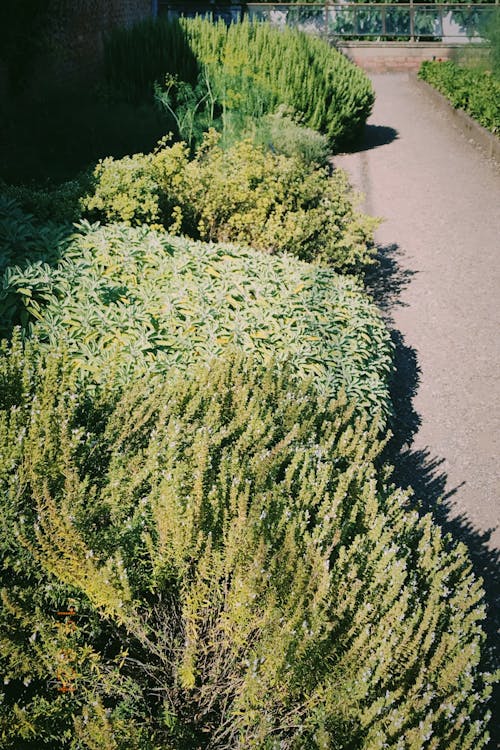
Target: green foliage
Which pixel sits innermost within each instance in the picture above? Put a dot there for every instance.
(243, 575)
(251, 68)
(133, 301)
(193, 109)
(49, 203)
(284, 67)
(245, 194)
(22, 239)
(475, 91)
(281, 133)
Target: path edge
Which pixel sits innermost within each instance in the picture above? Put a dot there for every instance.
(464, 122)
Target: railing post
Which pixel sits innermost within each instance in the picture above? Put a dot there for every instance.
(384, 19)
(326, 20)
(412, 22)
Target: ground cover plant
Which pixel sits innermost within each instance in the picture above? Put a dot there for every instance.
(130, 301)
(245, 193)
(242, 574)
(477, 92)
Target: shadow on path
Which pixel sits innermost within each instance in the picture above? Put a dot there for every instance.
(387, 279)
(373, 137)
(422, 471)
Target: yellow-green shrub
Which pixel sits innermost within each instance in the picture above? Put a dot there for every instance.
(243, 575)
(245, 194)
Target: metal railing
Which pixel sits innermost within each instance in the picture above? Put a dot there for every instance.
(447, 22)
(380, 21)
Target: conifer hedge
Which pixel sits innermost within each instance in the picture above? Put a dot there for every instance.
(243, 574)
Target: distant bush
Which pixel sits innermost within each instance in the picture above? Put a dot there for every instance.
(133, 301)
(244, 194)
(50, 203)
(241, 573)
(475, 91)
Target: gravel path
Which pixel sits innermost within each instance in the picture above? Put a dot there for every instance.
(440, 198)
(439, 249)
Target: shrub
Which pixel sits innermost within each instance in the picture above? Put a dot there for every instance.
(242, 575)
(251, 68)
(23, 240)
(475, 91)
(284, 67)
(137, 301)
(281, 133)
(244, 194)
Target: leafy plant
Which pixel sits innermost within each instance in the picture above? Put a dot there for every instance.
(242, 573)
(135, 301)
(49, 203)
(281, 133)
(475, 91)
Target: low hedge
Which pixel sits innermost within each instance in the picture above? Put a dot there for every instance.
(242, 576)
(475, 91)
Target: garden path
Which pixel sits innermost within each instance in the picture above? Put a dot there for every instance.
(439, 249)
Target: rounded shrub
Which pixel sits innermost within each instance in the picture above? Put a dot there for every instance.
(128, 301)
(244, 574)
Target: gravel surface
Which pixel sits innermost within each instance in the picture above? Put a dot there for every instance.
(440, 198)
(438, 285)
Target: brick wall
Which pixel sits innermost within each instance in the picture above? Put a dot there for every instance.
(76, 29)
(382, 57)
(73, 32)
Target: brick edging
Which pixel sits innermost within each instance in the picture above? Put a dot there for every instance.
(482, 137)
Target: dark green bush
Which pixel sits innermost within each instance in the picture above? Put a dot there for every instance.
(475, 91)
(242, 574)
(49, 203)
